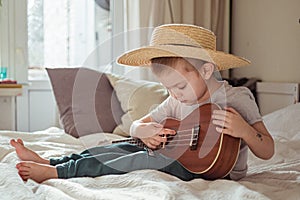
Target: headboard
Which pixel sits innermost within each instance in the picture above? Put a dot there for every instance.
(272, 96)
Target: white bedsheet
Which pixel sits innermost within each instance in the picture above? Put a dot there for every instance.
(278, 178)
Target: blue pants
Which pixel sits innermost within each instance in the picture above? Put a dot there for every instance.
(117, 159)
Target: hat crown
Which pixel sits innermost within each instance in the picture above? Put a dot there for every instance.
(185, 41)
(183, 35)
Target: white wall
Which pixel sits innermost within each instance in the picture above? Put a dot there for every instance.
(268, 33)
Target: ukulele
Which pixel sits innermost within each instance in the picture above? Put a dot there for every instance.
(197, 145)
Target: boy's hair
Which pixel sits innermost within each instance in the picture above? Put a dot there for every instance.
(163, 64)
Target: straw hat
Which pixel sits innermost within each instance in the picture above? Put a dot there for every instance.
(182, 40)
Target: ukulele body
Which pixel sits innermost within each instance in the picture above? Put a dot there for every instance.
(199, 147)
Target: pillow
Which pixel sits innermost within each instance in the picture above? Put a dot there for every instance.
(137, 99)
(284, 122)
(86, 101)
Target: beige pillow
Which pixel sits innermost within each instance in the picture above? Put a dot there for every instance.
(137, 99)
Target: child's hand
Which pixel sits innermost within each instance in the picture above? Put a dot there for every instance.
(230, 122)
(154, 141)
(151, 133)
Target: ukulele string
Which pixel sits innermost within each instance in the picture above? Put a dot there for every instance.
(182, 139)
(168, 136)
(180, 136)
(172, 143)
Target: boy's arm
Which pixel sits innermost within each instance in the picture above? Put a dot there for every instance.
(256, 136)
(260, 141)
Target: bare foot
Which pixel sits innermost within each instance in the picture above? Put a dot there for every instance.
(26, 154)
(36, 171)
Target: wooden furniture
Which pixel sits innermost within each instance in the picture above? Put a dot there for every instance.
(272, 96)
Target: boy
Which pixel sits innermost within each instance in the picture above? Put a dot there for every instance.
(184, 59)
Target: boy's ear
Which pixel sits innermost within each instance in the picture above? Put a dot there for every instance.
(207, 70)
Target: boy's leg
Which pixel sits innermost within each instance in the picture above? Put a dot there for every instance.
(117, 149)
(120, 163)
(142, 160)
(176, 169)
(113, 159)
(41, 172)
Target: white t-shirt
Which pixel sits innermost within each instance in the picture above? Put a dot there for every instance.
(240, 98)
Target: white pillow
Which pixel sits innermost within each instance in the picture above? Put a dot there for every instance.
(284, 122)
(137, 99)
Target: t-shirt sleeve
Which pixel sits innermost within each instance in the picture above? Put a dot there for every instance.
(244, 103)
(163, 110)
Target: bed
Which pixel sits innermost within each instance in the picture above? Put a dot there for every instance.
(277, 178)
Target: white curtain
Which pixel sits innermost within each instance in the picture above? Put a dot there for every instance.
(211, 14)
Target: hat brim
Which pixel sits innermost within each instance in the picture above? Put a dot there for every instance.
(142, 56)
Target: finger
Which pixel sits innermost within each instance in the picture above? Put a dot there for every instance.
(219, 117)
(223, 130)
(168, 131)
(224, 115)
(227, 117)
(161, 138)
(228, 132)
(220, 123)
(219, 129)
(151, 146)
(220, 112)
(155, 141)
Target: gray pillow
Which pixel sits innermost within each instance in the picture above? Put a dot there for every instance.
(86, 101)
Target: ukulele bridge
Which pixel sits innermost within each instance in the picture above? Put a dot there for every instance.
(194, 137)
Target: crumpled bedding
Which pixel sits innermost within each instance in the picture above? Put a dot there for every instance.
(277, 178)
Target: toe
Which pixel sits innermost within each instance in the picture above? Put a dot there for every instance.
(18, 165)
(24, 173)
(23, 169)
(23, 165)
(20, 141)
(25, 178)
(13, 142)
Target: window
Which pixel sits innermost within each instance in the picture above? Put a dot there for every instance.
(64, 33)
(88, 24)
